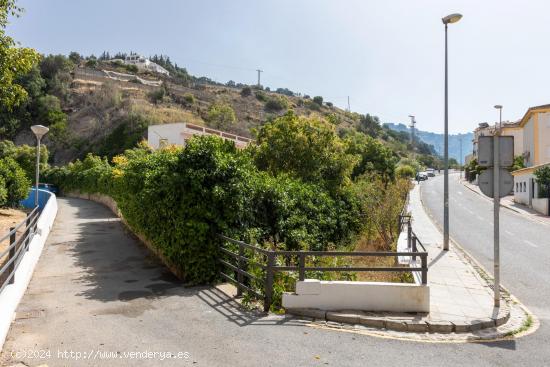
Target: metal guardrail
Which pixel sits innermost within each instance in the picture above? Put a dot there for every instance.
(249, 256)
(18, 246)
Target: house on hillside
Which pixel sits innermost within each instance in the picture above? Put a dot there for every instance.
(144, 63)
(178, 133)
(535, 126)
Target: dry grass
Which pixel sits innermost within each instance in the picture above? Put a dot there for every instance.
(164, 114)
(8, 218)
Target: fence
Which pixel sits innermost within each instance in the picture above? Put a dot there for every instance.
(19, 238)
(260, 286)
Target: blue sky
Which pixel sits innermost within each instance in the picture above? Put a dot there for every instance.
(386, 55)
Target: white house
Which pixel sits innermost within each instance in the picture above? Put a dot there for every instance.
(144, 63)
(159, 136)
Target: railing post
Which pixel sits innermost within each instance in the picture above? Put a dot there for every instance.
(11, 268)
(414, 250)
(269, 281)
(301, 267)
(424, 263)
(409, 230)
(239, 275)
(27, 232)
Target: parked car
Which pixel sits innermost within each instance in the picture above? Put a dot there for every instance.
(430, 172)
(421, 176)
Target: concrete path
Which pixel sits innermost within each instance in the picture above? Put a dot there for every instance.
(98, 294)
(457, 292)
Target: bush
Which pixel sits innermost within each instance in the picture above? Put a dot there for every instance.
(131, 68)
(276, 104)
(318, 100)
(157, 96)
(221, 115)
(261, 96)
(246, 91)
(189, 98)
(14, 184)
(405, 171)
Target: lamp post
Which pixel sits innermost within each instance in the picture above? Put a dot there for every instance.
(39, 131)
(496, 206)
(452, 18)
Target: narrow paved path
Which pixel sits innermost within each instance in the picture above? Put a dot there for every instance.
(96, 289)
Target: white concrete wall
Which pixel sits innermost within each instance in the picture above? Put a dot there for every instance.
(521, 188)
(13, 293)
(529, 142)
(365, 296)
(544, 138)
(541, 205)
(172, 132)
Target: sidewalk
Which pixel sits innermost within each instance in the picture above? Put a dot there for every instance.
(508, 202)
(458, 294)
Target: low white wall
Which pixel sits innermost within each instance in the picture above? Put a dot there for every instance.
(540, 205)
(364, 296)
(12, 293)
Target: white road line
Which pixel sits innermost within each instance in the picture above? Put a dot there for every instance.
(530, 243)
(509, 233)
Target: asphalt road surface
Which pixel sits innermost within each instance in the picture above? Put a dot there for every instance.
(96, 289)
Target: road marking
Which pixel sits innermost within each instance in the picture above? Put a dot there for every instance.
(530, 243)
(509, 233)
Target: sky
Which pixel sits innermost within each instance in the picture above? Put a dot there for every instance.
(387, 56)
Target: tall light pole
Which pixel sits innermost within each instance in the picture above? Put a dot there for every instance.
(413, 123)
(496, 206)
(452, 18)
(461, 156)
(39, 131)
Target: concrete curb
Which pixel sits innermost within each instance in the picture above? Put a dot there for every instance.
(13, 293)
(410, 322)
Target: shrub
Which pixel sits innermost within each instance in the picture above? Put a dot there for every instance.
(261, 96)
(405, 171)
(276, 104)
(14, 184)
(318, 100)
(329, 104)
(131, 68)
(221, 115)
(246, 91)
(189, 98)
(157, 96)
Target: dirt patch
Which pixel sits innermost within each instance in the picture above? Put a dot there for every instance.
(9, 218)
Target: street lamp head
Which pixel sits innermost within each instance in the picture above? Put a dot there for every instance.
(498, 107)
(451, 18)
(39, 130)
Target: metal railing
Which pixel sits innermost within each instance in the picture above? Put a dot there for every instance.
(243, 259)
(19, 238)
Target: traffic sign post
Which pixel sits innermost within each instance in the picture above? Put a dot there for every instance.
(496, 153)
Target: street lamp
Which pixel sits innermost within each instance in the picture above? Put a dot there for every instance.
(496, 206)
(39, 131)
(452, 18)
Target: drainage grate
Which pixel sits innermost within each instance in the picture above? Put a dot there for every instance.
(31, 314)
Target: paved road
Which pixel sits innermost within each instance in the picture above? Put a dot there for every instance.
(97, 289)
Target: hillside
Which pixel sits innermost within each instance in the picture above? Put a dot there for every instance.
(436, 140)
(103, 107)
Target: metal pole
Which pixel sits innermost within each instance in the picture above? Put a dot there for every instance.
(446, 158)
(37, 171)
(461, 156)
(496, 211)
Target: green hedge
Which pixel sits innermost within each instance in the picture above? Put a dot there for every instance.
(181, 198)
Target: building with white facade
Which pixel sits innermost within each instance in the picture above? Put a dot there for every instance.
(144, 63)
(535, 126)
(178, 133)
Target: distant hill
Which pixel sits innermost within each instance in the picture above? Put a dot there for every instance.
(436, 140)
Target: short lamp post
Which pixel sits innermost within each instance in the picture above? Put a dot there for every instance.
(39, 131)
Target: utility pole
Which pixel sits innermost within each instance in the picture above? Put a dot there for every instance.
(259, 71)
(413, 123)
(460, 138)
(349, 108)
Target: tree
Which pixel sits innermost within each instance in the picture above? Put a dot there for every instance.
(246, 91)
(14, 61)
(75, 57)
(14, 184)
(318, 100)
(25, 156)
(404, 171)
(374, 157)
(370, 125)
(306, 148)
(56, 69)
(542, 177)
(221, 115)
